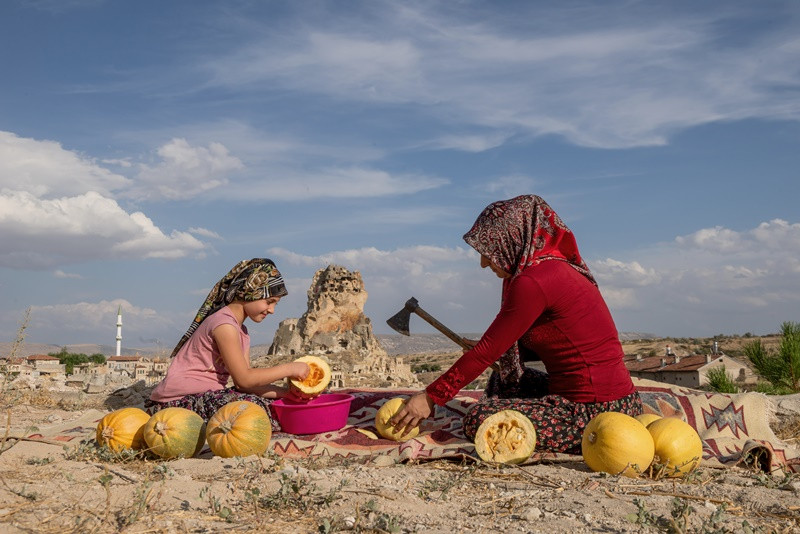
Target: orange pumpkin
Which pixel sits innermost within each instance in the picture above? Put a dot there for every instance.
(175, 433)
(239, 428)
(122, 429)
(677, 446)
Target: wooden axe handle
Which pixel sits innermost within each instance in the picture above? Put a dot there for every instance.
(446, 331)
(442, 328)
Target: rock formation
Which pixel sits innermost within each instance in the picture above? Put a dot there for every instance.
(335, 326)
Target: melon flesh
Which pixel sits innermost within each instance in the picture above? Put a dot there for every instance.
(505, 437)
(319, 376)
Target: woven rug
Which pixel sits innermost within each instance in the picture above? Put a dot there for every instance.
(734, 428)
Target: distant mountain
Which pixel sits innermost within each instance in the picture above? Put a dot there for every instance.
(26, 349)
(439, 343)
(393, 344)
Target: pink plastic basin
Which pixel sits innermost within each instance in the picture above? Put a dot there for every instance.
(325, 413)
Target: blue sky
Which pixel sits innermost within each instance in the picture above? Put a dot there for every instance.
(146, 147)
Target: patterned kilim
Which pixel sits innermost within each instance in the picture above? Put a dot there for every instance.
(734, 428)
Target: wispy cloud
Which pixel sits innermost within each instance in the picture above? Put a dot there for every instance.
(603, 78)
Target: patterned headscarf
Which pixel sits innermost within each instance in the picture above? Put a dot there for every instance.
(249, 280)
(518, 233)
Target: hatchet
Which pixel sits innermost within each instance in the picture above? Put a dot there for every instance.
(399, 322)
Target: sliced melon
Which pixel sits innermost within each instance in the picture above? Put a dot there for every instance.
(507, 437)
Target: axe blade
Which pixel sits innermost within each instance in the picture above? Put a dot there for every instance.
(399, 321)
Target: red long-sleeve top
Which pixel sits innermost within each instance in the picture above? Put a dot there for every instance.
(559, 317)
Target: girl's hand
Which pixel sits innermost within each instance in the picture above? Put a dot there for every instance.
(298, 370)
(417, 408)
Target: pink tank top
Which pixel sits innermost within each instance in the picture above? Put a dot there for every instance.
(198, 366)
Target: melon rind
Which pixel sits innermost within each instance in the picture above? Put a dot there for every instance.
(384, 415)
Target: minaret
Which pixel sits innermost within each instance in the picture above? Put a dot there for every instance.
(119, 330)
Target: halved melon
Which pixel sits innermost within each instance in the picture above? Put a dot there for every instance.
(507, 437)
(384, 415)
(618, 444)
(319, 376)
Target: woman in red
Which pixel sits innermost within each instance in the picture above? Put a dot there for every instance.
(551, 310)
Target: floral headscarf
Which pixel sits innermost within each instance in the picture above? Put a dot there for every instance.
(249, 280)
(518, 233)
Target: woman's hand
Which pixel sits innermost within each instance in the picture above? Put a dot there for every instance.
(417, 408)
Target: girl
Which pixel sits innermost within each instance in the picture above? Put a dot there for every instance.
(217, 347)
(551, 310)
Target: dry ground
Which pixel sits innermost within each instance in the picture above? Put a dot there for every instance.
(47, 488)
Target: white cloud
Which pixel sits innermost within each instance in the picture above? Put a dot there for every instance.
(185, 171)
(776, 236)
(81, 318)
(46, 169)
(204, 232)
(58, 273)
(750, 278)
(57, 207)
(351, 182)
(511, 185)
(469, 142)
(44, 233)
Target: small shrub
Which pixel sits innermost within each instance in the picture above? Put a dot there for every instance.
(781, 370)
(720, 381)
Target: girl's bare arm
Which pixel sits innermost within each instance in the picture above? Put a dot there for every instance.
(246, 378)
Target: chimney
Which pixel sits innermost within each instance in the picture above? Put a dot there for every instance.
(638, 357)
(708, 358)
(677, 359)
(663, 362)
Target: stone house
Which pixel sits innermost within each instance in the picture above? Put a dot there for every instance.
(687, 371)
(46, 365)
(18, 367)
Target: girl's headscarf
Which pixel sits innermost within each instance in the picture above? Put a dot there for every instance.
(518, 233)
(249, 280)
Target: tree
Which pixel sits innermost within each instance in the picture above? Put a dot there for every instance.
(781, 370)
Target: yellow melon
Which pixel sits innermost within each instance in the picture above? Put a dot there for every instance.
(319, 376)
(507, 437)
(617, 443)
(385, 414)
(175, 433)
(677, 446)
(647, 418)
